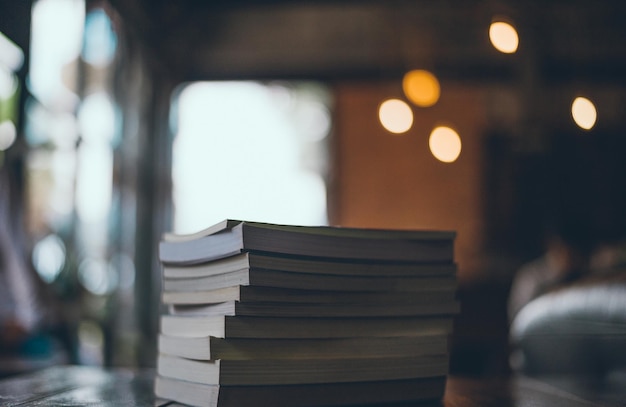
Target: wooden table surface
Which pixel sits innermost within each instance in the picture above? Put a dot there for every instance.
(91, 386)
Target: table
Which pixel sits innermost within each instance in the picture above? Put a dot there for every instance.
(93, 386)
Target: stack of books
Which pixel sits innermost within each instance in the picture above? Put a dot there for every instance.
(261, 314)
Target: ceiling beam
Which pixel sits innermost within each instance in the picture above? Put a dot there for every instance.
(376, 39)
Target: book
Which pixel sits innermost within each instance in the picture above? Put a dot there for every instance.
(300, 371)
(265, 314)
(274, 295)
(307, 395)
(233, 308)
(247, 261)
(212, 348)
(222, 225)
(231, 238)
(283, 327)
(285, 279)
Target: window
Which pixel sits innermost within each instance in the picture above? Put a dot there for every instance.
(253, 151)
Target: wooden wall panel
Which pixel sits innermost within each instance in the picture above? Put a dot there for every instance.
(393, 181)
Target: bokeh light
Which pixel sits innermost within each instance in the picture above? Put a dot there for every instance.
(12, 55)
(395, 115)
(584, 113)
(49, 257)
(421, 87)
(100, 39)
(8, 83)
(503, 37)
(445, 144)
(96, 117)
(8, 134)
(97, 276)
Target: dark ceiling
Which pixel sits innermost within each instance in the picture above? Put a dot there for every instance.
(560, 40)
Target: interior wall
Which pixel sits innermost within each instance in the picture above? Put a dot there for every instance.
(393, 181)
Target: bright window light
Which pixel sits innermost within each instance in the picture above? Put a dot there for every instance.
(240, 152)
(56, 40)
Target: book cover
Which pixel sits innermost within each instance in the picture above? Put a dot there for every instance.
(314, 241)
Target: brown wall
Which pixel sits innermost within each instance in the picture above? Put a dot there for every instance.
(392, 181)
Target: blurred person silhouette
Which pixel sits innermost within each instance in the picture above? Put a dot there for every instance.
(25, 318)
(584, 197)
(568, 308)
(566, 259)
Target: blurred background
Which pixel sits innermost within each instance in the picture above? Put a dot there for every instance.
(124, 119)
